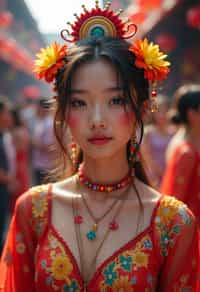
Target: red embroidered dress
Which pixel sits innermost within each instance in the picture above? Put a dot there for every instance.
(182, 177)
(36, 258)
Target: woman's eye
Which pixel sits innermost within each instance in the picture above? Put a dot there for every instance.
(77, 103)
(119, 101)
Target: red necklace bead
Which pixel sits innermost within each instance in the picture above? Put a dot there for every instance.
(78, 219)
(104, 187)
(114, 226)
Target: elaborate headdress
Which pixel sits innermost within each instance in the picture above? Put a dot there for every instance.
(103, 22)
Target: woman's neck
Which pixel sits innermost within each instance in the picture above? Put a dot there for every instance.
(105, 171)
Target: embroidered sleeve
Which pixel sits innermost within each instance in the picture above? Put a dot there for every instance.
(17, 261)
(178, 174)
(178, 247)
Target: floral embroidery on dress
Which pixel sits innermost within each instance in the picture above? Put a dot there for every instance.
(122, 284)
(39, 202)
(128, 261)
(59, 268)
(39, 208)
(20, 246)
(8, 257)
(166, 213)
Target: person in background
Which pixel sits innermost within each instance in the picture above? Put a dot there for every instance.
(42, 139)
(157, 135)
(182, 175)
(21, 141)
(100, 226)
(6, 176)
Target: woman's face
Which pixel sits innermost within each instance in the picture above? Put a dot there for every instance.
(100, 117)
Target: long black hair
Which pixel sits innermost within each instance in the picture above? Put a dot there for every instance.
(136, 88)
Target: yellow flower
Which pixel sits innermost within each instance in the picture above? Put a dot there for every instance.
(167, 210)
(39, 206)
(61, 267)
(122, 285)
(140, 259)
(49, 60)
(151, 59)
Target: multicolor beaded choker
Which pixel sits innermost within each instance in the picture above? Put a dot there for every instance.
(106, 188)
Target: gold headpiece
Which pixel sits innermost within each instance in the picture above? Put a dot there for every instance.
(101, 23)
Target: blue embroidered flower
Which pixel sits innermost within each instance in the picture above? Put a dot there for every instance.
(71, 288)
(19, 236)
(43, 264)
(148, 244)
(185, 215)
(110, 275)
(125, 262)
(165, 238)
(134, 280)
(49, 280)
(149, 279)
(176, 229)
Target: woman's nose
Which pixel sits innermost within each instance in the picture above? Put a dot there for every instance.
(97, 119)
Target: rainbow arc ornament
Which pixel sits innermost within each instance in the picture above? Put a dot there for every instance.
(99, 22)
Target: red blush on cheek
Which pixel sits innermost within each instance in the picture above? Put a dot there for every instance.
(73, 121)
(126, 118)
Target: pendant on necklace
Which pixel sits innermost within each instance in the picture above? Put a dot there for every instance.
(91, 235)
(113, 226)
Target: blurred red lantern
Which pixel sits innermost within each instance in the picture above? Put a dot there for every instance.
(167, 42)
(31, 91)
(150, 4)
(138, 17)
(193, 17)
(6, 19)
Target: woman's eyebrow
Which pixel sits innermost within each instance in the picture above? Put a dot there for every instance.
(78, 91)
(114, 88)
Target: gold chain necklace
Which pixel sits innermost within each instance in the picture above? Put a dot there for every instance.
(91, 235)
(80, 241)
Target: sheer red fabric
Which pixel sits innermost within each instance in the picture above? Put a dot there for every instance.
(182, 177)
(164, 257)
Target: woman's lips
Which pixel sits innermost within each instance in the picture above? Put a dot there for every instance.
(99, 140)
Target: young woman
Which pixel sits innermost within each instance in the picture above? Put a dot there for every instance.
(102, 228)
(181, 178)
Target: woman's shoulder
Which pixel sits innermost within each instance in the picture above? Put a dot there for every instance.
(167, 209)
(33, 204)
(172, 213)
(32, 208)
(65, 189)
(186, 147)
(33, 194)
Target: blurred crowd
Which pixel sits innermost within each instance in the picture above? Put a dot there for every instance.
(170, 148)
(26, 136)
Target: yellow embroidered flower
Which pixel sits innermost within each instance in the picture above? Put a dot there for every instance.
(140, 259)
(167, 210)
(122, 285)
(49, 60)
(151, 59)
(20, 247)
(39, 206)
(61, 267)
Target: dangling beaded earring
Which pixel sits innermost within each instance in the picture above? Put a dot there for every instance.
(153, 103)
(132, 152)
(74, 152)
